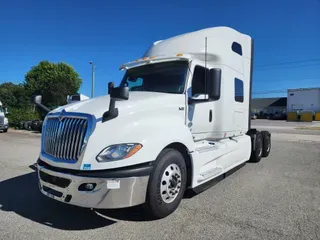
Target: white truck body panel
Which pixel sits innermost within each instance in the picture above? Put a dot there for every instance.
(211, 159)
(219, 55)
(145, 113)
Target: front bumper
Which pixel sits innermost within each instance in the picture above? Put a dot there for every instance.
(3, 126)
(64, 186)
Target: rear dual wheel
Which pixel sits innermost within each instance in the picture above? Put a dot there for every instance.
(166, 184)
(262, 146)
(266, 143)
(256, 153)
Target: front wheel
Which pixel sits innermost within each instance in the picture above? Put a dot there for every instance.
(167, 183)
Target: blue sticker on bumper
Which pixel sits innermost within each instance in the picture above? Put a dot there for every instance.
(86, 167)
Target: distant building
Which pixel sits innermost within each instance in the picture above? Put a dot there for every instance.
(261, 106)
(304, 99)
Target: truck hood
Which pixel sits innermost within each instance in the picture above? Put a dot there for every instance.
(138, 101)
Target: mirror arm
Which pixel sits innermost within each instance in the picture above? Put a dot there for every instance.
(112, 112)
(44, 108)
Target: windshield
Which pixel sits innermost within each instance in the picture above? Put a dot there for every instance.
(167, 77)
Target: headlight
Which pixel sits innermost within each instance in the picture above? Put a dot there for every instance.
(5, 121)
(118, 152)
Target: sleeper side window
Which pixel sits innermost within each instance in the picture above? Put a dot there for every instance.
(238, 90)
(236, 47)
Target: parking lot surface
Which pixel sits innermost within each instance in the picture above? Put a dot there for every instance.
(278, 198)
(282, 126)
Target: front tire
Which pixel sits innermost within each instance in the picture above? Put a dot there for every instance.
(167, 183)
(5, 130)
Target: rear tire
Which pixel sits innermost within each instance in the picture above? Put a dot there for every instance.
(167, 184)
(266, 137)
(256, 154)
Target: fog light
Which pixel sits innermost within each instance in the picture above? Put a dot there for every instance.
(87, 186)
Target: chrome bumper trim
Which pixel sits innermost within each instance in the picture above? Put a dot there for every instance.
(132, 191)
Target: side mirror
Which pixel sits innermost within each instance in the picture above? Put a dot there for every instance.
(119, 93)
(36, 99)
(6, 111)
(116, 94)
(214, 84)
(110, 86)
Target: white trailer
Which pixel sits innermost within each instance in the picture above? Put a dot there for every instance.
(179, 119)
(303, 99)
(4, 122)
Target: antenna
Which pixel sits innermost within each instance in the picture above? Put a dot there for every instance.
(205, 65)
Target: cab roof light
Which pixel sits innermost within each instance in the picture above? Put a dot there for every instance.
(179, 55)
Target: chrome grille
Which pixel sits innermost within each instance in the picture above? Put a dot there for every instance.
(1, 120)
(63, 139)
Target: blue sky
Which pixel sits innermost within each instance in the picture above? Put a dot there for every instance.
(110, 34)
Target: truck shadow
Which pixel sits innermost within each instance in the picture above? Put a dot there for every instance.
(132, 214)
(22, 196)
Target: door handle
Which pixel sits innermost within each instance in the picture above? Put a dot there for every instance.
(210, 115)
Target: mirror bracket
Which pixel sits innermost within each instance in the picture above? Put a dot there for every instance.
(36, 99)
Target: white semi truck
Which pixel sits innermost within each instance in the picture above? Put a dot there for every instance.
(4, 122)
(179, 119)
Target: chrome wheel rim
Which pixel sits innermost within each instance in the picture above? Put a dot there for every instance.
(170, 184)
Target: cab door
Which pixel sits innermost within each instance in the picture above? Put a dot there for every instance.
(199, 117)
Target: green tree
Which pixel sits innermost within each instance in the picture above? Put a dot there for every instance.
(54, 81)
(13, 95)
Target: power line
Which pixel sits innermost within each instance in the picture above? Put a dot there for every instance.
(271, 92)
(315, 64)
(288, 81)
(286, 63)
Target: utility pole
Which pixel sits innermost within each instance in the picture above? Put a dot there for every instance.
(92, 75)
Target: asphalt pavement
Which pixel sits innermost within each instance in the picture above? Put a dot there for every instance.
(278, 198)
(282, 126)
